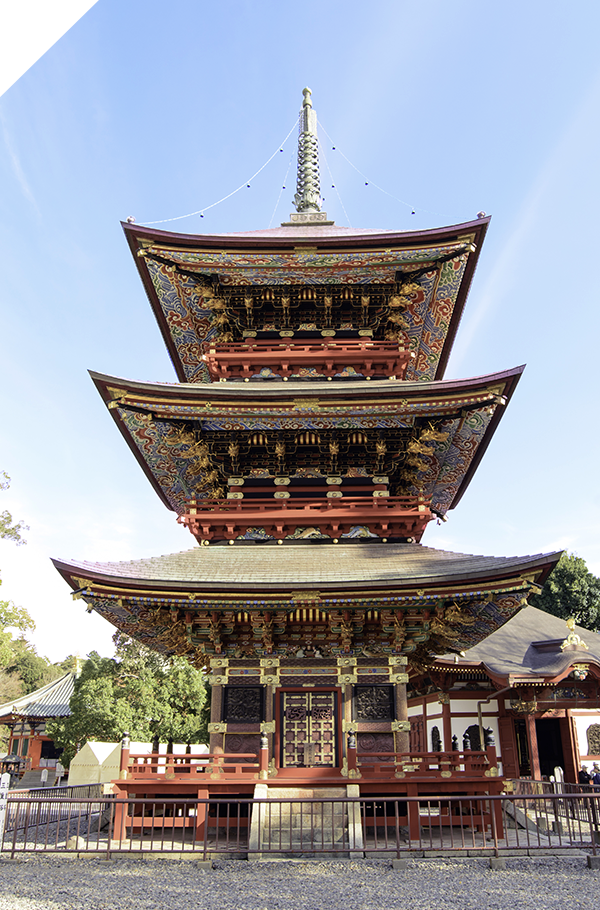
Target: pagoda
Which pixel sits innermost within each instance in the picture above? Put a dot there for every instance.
(310, 439)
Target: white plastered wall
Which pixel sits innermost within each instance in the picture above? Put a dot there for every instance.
(584, 719)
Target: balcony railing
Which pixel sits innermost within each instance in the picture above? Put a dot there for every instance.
(243, 360)
(393, 516)
(186, 767)
(433, 766)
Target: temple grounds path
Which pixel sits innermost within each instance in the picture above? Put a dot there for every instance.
(57, 883)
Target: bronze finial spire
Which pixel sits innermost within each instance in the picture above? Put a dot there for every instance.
(308, 195)
(308, 185)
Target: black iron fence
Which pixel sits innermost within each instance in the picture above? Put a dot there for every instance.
(343, 827)
(62, 792)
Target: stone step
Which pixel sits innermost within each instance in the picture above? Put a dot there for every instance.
(305, 827)
(306, 792)
(32, 780)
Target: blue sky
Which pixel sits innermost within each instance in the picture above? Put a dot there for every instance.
(154, 111)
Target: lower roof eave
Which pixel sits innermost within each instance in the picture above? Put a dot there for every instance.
(540, 566)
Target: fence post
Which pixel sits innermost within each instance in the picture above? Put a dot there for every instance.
(352, 761)
(4, 784)
(263, 759)
(125, 744)
(122, 806)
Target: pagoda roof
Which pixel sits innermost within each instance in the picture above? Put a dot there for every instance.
(439, 599)
(288, 235)
(52, 700)
(171, 266)
(528, 646)
(354, 565)
(150, 417)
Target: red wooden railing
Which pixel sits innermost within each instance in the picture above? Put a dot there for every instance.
(393, 516)
(242, 360)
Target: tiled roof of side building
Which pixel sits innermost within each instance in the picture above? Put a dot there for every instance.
(349, 565)
(52, 700)
(529, 644)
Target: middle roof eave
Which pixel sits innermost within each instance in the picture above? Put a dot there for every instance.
(258, 394)
(138, 408)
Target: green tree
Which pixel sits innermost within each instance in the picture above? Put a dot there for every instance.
(27, 665)
(138, 691)
(11, 617)
(8, 528)
(572, 590)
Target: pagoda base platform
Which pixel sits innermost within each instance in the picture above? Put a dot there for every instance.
(393, 774)
(298, 807)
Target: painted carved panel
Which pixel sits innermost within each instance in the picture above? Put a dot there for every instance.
(376, 743)
(243, 704)
(374, 703)
(243, 744)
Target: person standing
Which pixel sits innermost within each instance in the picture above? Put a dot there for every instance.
(584, 777)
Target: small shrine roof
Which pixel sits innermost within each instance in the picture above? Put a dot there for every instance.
(151, 416)
(529, 645)
(52, 700)
(300, 566)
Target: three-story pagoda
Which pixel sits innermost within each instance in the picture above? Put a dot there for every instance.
(309, 440)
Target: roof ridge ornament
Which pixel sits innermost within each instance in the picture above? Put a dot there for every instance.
(573, 641)
(308, 199)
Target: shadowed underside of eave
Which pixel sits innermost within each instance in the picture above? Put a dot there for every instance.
(361, 600)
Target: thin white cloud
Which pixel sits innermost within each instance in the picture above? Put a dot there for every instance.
(561, 157)
(16, 165)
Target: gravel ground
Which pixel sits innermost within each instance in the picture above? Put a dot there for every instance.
(49, 883)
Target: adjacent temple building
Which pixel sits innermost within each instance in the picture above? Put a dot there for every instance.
(310, 439)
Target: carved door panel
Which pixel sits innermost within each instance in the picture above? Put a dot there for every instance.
(308, 729)
(417, 735)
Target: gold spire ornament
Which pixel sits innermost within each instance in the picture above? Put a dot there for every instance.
(308, 199)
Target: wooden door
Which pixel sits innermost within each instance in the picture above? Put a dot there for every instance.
(308, 729)
(508, 748)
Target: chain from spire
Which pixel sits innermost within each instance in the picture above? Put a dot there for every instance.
(308, 184)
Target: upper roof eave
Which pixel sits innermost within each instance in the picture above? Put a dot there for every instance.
(280, 392)
(138, 236)
(289, 237)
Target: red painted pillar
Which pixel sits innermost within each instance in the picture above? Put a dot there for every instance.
(447, 723)
(534, 757)
(35, 751)
(124, 763)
